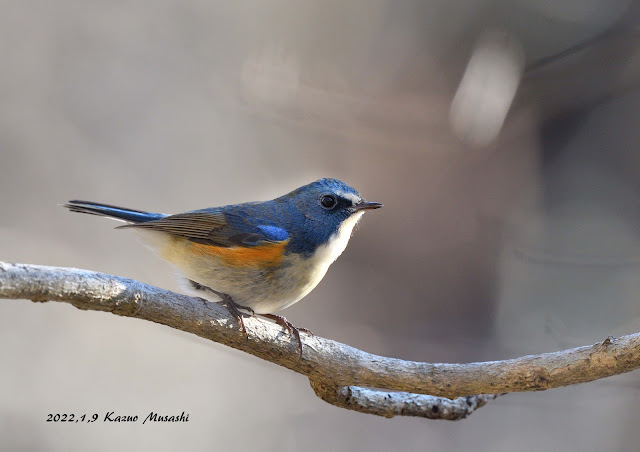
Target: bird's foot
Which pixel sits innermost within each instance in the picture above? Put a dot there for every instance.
(227, 301)
(234, 310)
(290, 327)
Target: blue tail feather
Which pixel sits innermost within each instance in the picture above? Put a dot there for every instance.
(106, 210)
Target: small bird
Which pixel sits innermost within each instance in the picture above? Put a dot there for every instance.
(257, 256)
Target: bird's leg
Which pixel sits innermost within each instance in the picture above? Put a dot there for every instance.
(291, 329)
(232, 306)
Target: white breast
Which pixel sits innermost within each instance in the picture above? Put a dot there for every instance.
(327, 254)
(312, 269)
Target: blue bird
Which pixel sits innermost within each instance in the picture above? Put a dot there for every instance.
(257, 256)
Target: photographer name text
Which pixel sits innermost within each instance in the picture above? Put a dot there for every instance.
(112, 416)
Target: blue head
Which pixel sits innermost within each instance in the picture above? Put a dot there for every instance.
(320, 212)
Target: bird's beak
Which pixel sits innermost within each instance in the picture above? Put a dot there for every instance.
(364, 205)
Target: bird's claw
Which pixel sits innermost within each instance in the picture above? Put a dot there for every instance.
(234, 310)
(290, 327)
(232, 306)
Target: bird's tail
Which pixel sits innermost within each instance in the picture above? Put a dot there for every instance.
(118, 213)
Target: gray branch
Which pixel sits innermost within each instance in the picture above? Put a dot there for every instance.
(389, 404)
(339, 374)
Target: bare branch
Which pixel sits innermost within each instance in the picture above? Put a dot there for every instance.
(338, 373)
(390, 404)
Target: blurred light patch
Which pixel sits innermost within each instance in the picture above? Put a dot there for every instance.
(487, 89)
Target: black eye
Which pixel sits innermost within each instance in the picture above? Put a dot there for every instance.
(328, 201)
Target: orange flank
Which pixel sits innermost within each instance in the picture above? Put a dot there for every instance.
(269, 255)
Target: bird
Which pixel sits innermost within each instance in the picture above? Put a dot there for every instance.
(259, 257)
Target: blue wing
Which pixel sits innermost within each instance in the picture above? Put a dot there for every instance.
(216, 227)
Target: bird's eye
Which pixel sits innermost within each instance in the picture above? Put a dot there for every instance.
(328, 201)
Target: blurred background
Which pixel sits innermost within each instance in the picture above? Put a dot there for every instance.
(502, 138)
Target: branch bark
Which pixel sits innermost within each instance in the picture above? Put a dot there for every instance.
(339, 374)
(390, 404)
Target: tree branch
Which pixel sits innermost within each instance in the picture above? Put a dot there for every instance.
(389, 404)
(338, 373)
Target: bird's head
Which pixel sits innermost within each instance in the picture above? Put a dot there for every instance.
(327, 210)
